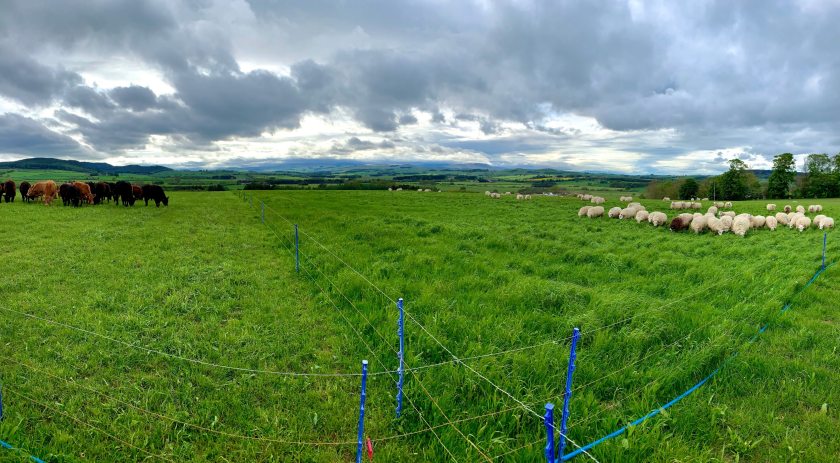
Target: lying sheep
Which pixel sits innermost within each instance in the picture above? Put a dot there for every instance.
(827, 222)
(771, 207)
(698, 224)
(740, 225)
(800, 209)
(758, 221)
(770, 222)
(642, 216)
(657, 218)
(614, 213)
(787, 209)
(595, 211)
(713, 210)
(582, 211)
(782, 218)
(802, 223)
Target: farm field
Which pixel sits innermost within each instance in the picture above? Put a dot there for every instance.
(186, 316)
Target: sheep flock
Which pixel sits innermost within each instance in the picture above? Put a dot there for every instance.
(716, 219)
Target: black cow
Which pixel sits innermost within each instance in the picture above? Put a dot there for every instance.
(9, 191)
(70, 194)
(24, 188)
(155, 193)
(101, 191)
(124, 191)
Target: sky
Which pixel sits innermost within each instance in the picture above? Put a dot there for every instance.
(617, 86)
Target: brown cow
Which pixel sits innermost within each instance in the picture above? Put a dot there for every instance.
(138, 192)
(84, 189)
(48, 189)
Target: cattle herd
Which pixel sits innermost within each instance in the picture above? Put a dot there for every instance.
(77, 193)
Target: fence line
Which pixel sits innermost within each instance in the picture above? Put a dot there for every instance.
(423, 328)
(82, 422)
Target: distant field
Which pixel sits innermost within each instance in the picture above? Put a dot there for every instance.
(204, 279)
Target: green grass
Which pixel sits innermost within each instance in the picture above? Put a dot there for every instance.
(205, 279)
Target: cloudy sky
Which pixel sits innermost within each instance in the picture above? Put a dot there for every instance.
(631, 86)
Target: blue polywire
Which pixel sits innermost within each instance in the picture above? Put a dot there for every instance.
(6, 445)
(685, 394)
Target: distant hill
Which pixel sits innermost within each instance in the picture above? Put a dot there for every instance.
(81, 166)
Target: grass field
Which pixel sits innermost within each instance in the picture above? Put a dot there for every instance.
(203, 279)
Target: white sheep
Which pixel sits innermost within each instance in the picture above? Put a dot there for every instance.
(713, 210)
(727, 205)
(625, 198)
(740, 225)
(614, 213)
(715, 225)
(802, 223)
(390, 189)
(595, 211)
(696, 205)
(787, 209)
(771, 222)
(726, 223)
(771, 207)
(583, 211)
(782, 218)
(527, 197)
(666, 199)
(641, 216)
(793, 217)
(818, 219)
(597, 200)
(758, 221)
(800, 209)
(719, 204)
(586, 197)
(399, 189)
(698, 225)
(628, 213)
(486, 193)
(507, 192)
(730, 214)
(827, 222)
(657, 218)
(520, 196)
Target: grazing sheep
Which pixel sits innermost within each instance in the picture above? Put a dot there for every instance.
(696, 205)
(713, 210)
(625, 198)
(527, 197)
(730, 214)
(787, 209)
(582, 211)
(507, 192)
(746, 216)
(792, 218)
(519, 196)
(771, 207)
(698, 225)
(714, 225)
(811, 209)
(641, 216)
(486, 193)
(771, 222)
(802, 223)
(595, 211)
(614, 213)
(420, 190)
(666, 199)
(758, 221)
(677, 205)
(391, 189)
(657, 218)
(638, 205)
(782, 218)
(740, 225)
(818, 219)
(827, 222)
(628, 213)
(586, 197)
(597, 200)
(680, 223)
(818, 208)
(727, 205)
(726, 223)
(399, 189)
(719, 204)
(800, 209)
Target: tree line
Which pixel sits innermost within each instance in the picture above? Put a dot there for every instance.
(820, 179)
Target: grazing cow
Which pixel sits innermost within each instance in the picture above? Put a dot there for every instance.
(123, 190)
(47, 189)
(101, 192)
(155, 193)
(137, 191)
(84, 188)
(9, 191)
(24, 188)
(70, 194)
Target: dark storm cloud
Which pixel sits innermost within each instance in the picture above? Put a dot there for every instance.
(758, 74)
(23, 135)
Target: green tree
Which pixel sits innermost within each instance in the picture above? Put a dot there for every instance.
(819, 181)
(733, 182)
(783, 174)
(689, 188)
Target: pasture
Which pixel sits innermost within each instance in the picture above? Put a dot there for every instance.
(161, 333)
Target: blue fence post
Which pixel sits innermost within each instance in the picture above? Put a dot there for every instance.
(262, 211)
(297, 250)
(567, 396)
(825, 238)
(362, 412)
(548, 419)
(401, 369)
